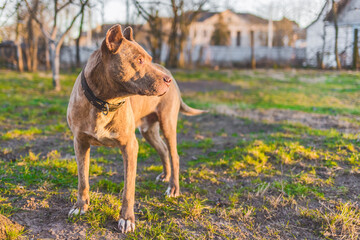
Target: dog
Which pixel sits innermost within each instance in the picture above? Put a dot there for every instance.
(118, 90)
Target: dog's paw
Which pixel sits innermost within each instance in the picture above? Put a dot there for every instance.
(75, 211)
(162, 178)
(172, 192)
(126, 226)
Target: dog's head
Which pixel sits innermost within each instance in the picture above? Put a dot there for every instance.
(129, 65)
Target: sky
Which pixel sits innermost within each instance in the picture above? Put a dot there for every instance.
(302, 11)
(114, 11)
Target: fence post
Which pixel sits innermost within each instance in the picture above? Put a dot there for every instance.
(356, 50)
(252, 39)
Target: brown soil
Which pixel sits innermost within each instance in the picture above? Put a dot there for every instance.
(50, 221)
(317, 121)
(205, 86)
(6, 225)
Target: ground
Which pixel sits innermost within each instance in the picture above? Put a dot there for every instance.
(277, 157)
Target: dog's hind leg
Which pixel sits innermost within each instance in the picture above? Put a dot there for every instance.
(150, 131)
(82, 152)
(168, 126)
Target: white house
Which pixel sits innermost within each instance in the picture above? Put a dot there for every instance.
(320, 35)
(240, 26)
(273, 41)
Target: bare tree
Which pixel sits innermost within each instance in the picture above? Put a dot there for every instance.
(181, 21)
(32, 40)
(221, 33)
(336, 27)
(19, 20)
(183, 13)
(155, 34)
(79, 37)
(54, 38)
(321, 55)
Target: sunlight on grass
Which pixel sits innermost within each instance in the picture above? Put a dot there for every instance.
(258, 180)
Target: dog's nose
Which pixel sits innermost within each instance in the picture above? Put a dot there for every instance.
(167, 79)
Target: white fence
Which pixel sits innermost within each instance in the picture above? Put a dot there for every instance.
(68, 55)
(214, 55)
(223, 55)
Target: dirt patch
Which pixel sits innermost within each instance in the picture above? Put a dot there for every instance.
(317, 121)
(8, 227)
(206, 86)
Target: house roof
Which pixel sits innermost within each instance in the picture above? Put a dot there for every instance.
(205, 15)
(248, 16)
(253, 18)
(340, 5)
(100, 31)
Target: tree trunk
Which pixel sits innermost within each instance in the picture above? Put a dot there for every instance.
(28, 57)
(172, 59)
(338, 64)
(356, 50)
(55, 65)
(336, 51)
(159, 38)
(252, 39)
(20, 62)
(182, 42)
(184, 29)
(173, 53)
(47, 55)
(34, 54)
(32, 41)
(322, 54)
(78, 62)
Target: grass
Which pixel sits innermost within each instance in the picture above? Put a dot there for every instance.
(240, 178)
(308, 91)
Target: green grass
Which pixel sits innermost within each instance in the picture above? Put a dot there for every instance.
(302, 91)
(240, 179)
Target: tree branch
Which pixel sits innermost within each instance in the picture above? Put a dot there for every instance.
(63, 6)
(72, 23)
(46, 34)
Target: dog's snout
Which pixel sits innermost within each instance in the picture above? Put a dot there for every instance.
(167, 79)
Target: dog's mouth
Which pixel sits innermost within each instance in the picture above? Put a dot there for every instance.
(162, 94)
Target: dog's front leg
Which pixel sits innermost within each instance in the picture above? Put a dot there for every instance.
(82, 152)
(127, 216)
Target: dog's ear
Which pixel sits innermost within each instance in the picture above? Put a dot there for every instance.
(114, 38)
(128, 33)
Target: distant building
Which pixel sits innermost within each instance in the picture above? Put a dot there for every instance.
(274, 40)
(240, 25)
(94, 38)
(286, 35)
(320, 34)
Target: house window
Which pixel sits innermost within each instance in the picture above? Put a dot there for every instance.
(263, 37)
(238, 39)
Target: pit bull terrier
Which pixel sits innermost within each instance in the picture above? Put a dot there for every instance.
(118, 90)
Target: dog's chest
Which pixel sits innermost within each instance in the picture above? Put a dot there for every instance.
(109, 133)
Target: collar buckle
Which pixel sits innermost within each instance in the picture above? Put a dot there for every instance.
(103, 106)
(105, 110)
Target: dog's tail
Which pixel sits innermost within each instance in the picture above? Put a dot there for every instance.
(189, 111)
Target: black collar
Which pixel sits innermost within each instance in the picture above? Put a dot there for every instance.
(103, 106)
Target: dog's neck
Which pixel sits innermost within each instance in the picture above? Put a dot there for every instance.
(102, 87)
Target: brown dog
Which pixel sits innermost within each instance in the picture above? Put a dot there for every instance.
(119, 90)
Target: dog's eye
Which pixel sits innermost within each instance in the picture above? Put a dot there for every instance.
(141, 60)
